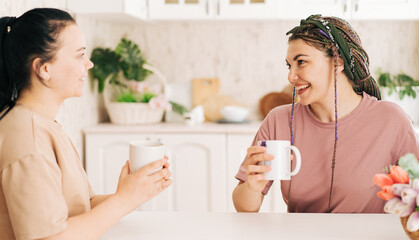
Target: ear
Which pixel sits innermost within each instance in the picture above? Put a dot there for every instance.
(341, 65)
(41, 70)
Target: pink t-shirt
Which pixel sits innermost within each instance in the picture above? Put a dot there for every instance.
(375, 135)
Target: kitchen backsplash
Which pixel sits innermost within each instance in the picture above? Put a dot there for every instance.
(247, 56)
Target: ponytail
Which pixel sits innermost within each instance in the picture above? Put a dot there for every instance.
(8, 93)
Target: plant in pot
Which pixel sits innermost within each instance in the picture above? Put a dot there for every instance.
(401, 89)
(129, 98)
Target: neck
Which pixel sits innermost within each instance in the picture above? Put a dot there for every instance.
(42, 100)
(347, 101)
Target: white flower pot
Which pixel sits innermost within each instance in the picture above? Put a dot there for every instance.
(133, 113)
(130, 113)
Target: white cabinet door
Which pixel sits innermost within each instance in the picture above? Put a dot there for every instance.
(247, 9)
(237, 145)
(106, 154)
(385, 9)
(179, 9)
(301, 9)
(110, 10)
(197, 162)
(199, 176)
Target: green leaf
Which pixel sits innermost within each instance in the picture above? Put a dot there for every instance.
(178, 108)
(401, 80)
(145, 97)
(106, 63)
(126, 97)
(402, 93)
(131, 60)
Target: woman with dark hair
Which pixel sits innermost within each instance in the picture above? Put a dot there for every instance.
(344, 132)
(44, 192)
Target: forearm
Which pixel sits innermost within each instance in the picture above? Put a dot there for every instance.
(246, 200)
(96, 222)
(98, 199)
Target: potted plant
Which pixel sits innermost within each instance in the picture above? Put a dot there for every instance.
(401, 84)
(401, 89)
(121, 75)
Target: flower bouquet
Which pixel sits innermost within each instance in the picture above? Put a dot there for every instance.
(400, 187)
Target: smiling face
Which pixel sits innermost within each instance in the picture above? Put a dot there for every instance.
(68, 70)
(311, 72)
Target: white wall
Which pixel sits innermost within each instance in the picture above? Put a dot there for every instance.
(247, 56)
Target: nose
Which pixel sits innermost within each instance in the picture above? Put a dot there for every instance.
(292, 75)
(89, 64)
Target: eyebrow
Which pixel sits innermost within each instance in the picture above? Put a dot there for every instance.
(297, 56)
(81, 49)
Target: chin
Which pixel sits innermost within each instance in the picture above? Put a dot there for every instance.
(304, 102)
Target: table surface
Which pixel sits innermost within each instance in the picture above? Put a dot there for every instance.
(219, 226)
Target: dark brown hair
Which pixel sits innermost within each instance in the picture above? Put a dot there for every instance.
(32, 35)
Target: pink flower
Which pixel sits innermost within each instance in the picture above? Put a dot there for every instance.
(386, 193)
(160, 102)
(413, 222)
(399, 175)
(382, 180)
(142, 87)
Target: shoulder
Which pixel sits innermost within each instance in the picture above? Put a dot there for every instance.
(386, 109)
(23, 133)
(277, 122)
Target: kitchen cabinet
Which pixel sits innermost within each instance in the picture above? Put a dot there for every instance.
(301, 9)
(204, 160)
(351, 9)
(110, 10)
(212, 9)
(389, 9)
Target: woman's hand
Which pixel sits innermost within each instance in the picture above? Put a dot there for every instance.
(142, 185)
(255, 173)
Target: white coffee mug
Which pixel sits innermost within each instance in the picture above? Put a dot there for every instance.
(143, 152)
(281, 164)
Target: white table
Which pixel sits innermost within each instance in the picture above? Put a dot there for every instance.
(258, 226)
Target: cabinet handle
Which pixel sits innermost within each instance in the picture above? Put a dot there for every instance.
(206, 7)
(344, 7)
(356, 6)
(218, 7)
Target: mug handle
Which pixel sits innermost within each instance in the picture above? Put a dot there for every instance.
(298, 155)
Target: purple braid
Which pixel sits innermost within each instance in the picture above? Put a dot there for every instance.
(292, 116)
(335, 59)
(292, 143)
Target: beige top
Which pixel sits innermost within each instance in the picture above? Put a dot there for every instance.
(42, 181)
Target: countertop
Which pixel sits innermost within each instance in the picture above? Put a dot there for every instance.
(242, 226)
(206, 127)
(163, 127)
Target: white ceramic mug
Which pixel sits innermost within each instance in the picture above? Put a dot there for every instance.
(281, 164)
(143, 152)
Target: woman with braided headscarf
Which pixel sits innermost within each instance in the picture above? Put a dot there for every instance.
(344, 132)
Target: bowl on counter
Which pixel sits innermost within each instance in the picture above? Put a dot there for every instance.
(234, 113)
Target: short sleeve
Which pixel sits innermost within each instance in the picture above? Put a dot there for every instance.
(33, 193)
(262, 134)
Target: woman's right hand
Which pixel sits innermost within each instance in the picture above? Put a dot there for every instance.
(255, 173)
(142, 185)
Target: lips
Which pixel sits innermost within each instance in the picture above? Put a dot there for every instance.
(302, 88)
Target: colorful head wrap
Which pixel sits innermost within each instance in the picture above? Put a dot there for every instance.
(337, 32)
